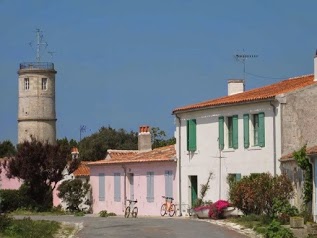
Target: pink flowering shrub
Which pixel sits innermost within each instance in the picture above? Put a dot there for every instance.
(215, 209)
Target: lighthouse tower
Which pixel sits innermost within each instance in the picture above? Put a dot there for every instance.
(36, 110)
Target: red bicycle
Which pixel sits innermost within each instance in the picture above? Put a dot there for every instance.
(168, 207)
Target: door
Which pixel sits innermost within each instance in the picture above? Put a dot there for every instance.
(193, 181)
(131, 181)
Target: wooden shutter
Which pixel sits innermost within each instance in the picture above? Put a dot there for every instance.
(191, 135)
(261, 129)
(221, 133)
(150, 186)
(117, 187)
(246, 130)
(235, 141)
(169, 183)
(102, 187)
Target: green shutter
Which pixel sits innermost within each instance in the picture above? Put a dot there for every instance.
(246, 130)
(191, 135)
(261, 129)
(221, 133)
(235, 132)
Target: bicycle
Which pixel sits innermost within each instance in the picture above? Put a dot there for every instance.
(168, 207)
(132, 208)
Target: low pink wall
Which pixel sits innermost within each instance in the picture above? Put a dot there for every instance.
(7, 183)
(140, 186)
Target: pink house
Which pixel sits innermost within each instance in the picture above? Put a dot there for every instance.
(5, 182)
(144, 175)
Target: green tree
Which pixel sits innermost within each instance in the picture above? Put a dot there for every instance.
(7, 149)
(73, 192)
(40, 166)
(159, 138)
(95, 147)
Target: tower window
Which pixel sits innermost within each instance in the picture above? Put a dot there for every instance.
(26, 84)
(44, 83)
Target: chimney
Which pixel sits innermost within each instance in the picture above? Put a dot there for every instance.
(235, 86)
(75, 153)
(315, 67)
(144, 139)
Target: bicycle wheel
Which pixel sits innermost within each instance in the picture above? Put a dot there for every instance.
(127, 212)
(163, 209)
(172, 210)
(134, 212)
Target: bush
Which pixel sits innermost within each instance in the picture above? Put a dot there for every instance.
(104, 213)
(255, 194)
(275, 230)
(5, 222)
(283, 210)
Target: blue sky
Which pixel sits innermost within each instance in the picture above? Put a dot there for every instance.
(127, 63)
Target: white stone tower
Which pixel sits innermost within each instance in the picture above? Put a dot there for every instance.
(36, 110)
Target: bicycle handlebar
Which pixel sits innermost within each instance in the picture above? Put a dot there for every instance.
(132, 200)
(168, 197)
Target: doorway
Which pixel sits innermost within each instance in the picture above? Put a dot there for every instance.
(193, 186)
(131, 185)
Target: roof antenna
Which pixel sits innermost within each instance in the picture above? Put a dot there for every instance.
(242, 58)
(39, 44)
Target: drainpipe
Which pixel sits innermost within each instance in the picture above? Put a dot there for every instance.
(179, 166)
(124, 185)
(274, 136)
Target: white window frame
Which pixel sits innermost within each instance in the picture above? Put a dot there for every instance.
(252, 130)
(44, 84)
(26, 84)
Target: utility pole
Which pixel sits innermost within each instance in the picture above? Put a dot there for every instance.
(82, 129)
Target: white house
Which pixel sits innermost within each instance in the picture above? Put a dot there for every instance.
(243, 133)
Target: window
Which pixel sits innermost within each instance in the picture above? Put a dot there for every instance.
(44, 83)
(191, 135)
(102, 187)
(169, 183)
(231, 129)
(117, 187)
(258, 129)
(233, 178)
(26, 84)
(150, 186)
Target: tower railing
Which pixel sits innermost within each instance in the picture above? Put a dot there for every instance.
(37, 65)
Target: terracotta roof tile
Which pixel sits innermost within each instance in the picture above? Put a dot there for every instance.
(261, 93)
(309, 151)
(82, 170)
(166, 153)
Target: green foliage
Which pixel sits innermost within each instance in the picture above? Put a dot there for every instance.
(94, 147)
(283, 210)
(275, 230)
(5, 221)
(7, 149)
(254, 194)
(159, 138)
(203, 191)
(73, 192)
(303, 162)
(79, 214)
(26, 228)
(12, 200)
(104, 213)
(40, 166)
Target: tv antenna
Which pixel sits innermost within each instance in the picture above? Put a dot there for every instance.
(82, 129)
(242, 58)
(51, 53)
(39, 44)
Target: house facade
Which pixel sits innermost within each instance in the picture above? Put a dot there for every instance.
(243, 133)
(144, 175)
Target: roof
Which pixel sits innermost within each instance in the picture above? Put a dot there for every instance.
(82, 170)
(262, 93)
(114, 154)
(162, 154)
(309, 151)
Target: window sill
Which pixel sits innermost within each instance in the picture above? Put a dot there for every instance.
(228, 150)
(254, 148)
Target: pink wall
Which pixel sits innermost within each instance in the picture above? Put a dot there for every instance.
(6, 183)
(140, 186)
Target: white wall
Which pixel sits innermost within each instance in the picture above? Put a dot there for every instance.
(206, 158)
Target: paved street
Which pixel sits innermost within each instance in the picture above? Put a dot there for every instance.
(145, 227)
